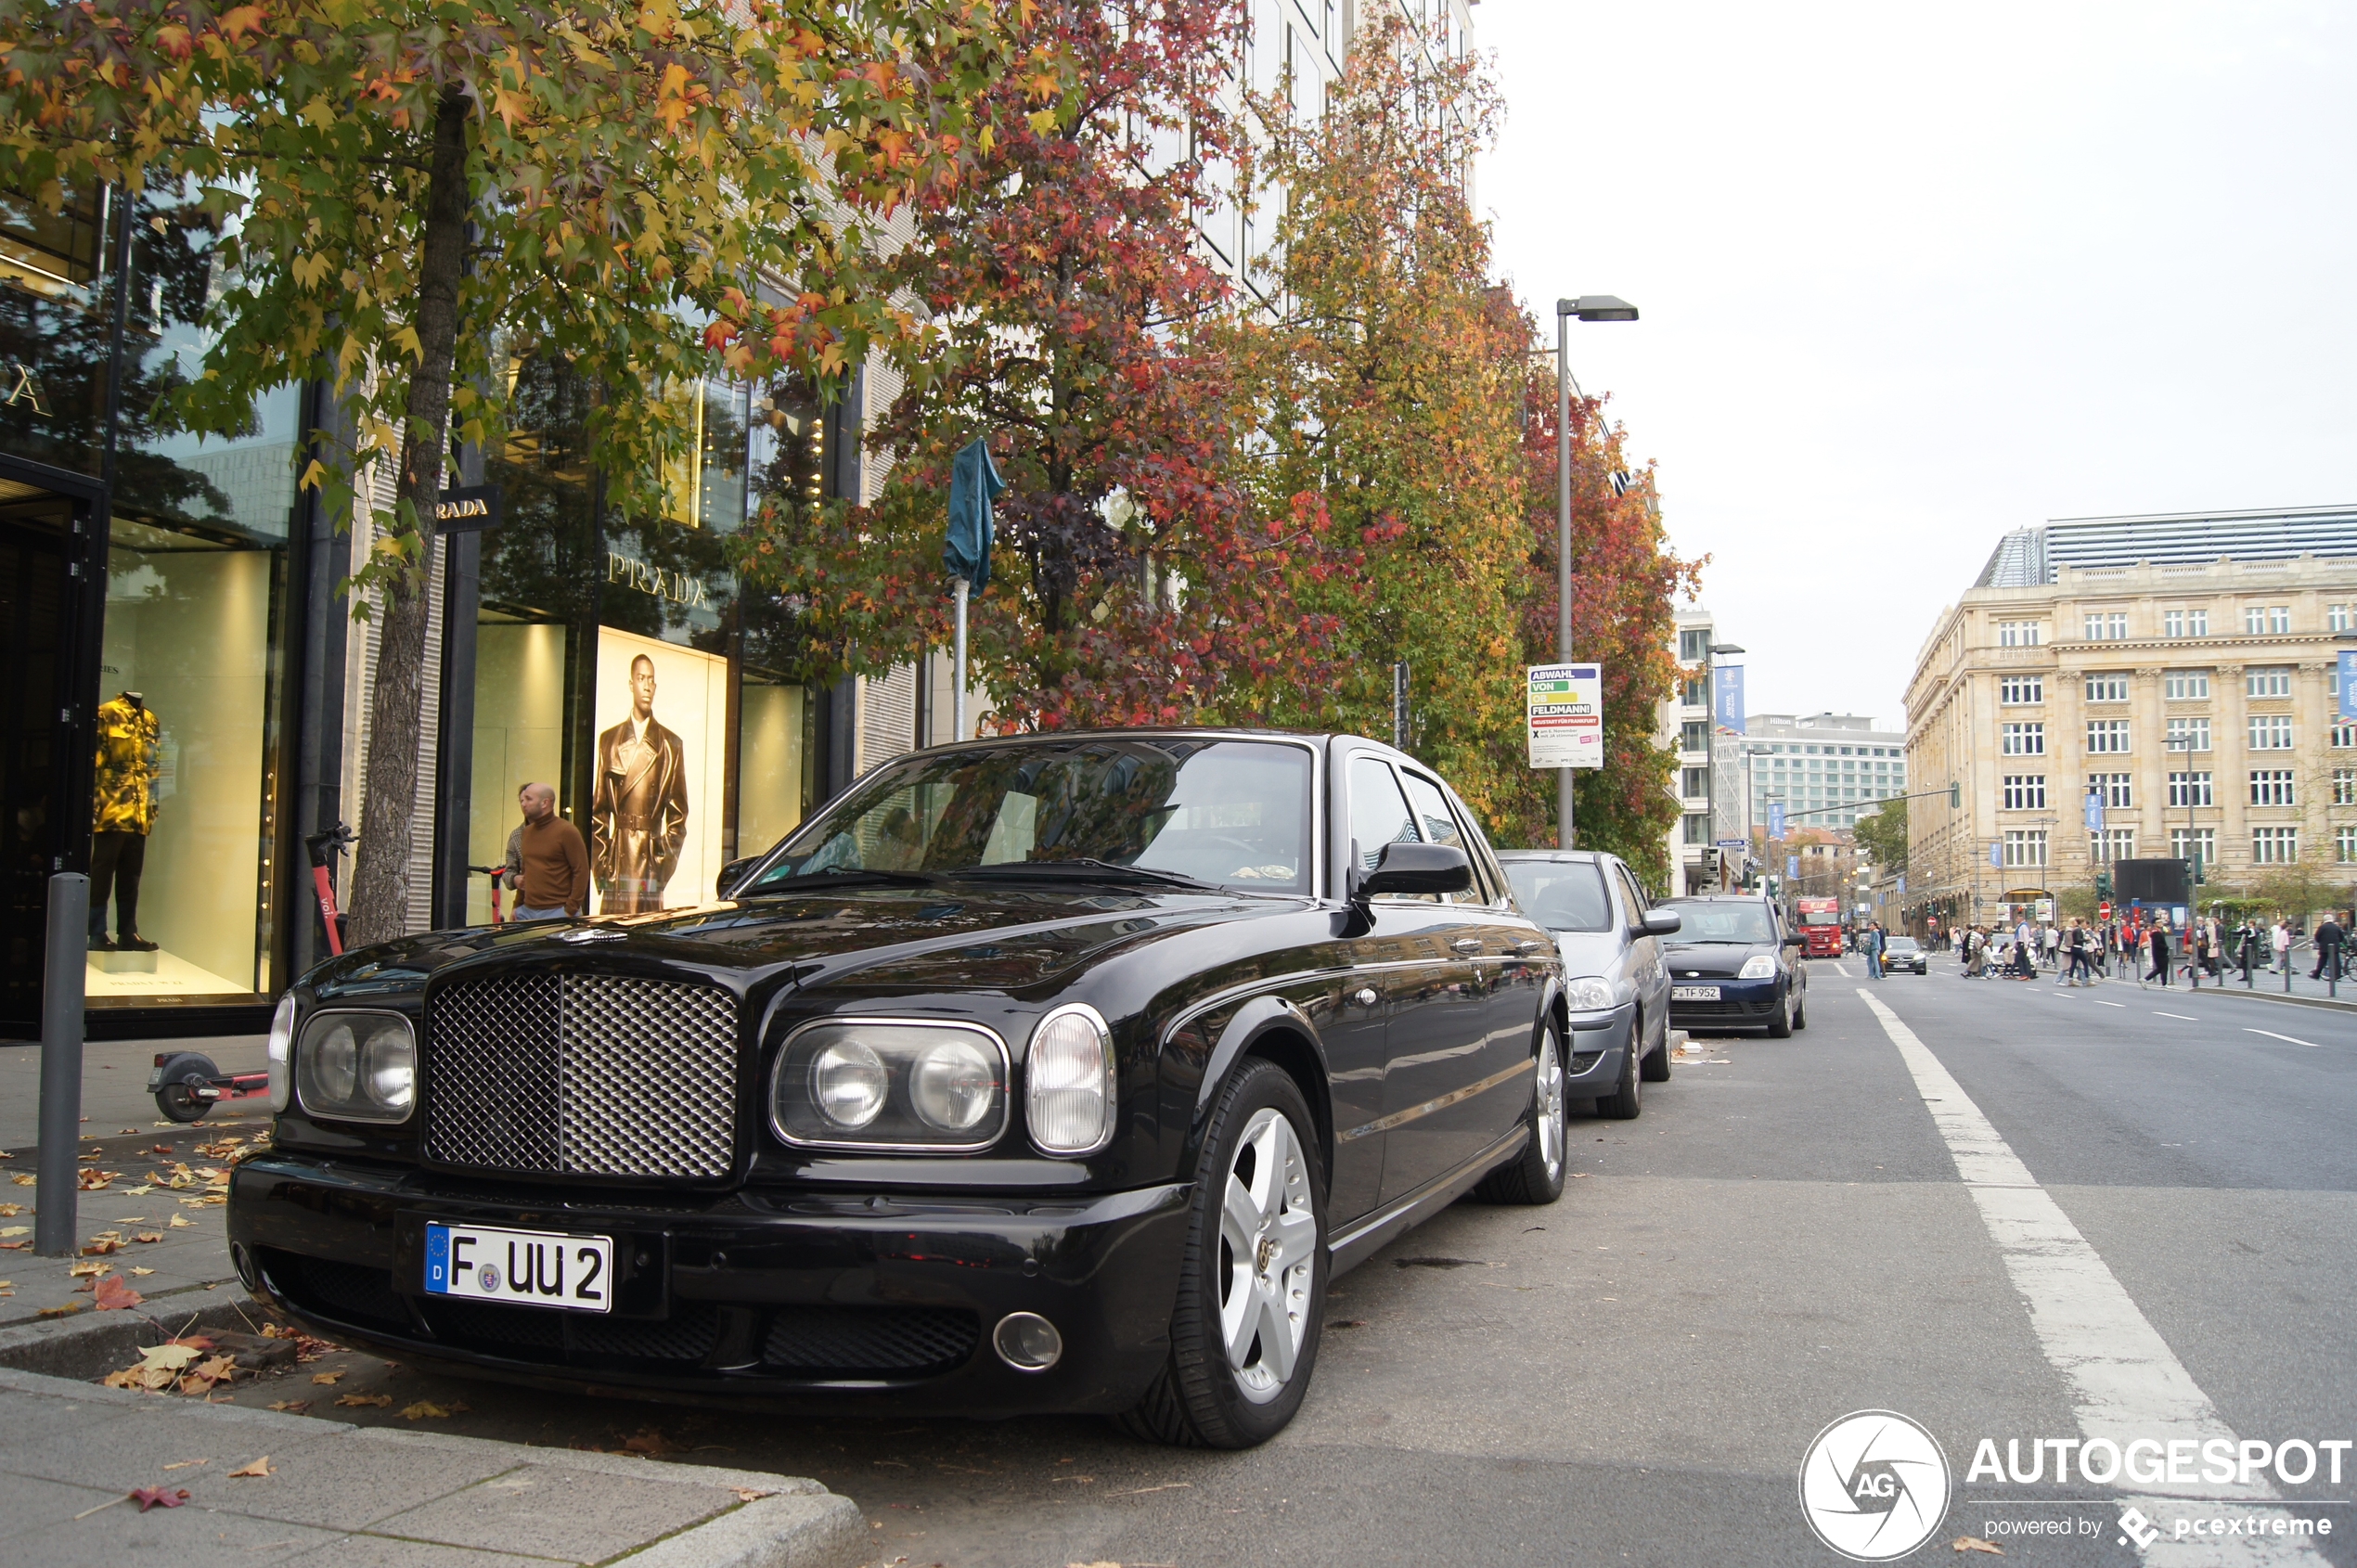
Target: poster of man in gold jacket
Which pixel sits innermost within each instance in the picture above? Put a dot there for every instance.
(639, 814)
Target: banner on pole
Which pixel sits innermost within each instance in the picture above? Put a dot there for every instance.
(1775, 820)
(2347, 673)
(1564, 707)
(1727, 698)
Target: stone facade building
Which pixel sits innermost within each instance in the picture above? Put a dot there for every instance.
(2179, 669)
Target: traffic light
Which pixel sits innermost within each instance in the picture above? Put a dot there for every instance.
(1956, 795)
(2103, 884)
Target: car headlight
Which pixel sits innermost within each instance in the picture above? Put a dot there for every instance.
(357, 1066)
(890, 1083)
(1587, 996)
(1069, 1082)
(1759, 966)
(282, 1054)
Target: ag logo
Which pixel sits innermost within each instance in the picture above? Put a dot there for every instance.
(1874, 1486)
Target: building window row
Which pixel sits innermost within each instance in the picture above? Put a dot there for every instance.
(2272, 786)
(2194, 844)
(2115, 789)
(2189, 735)
(2271, 732)
(2024, 847)
(2185, 685)
(2111, 687)
(2106, 737)
(2274, 846)
(2025, 791)
(2015, 691)
(2020, 634)
(2022, 740)
(2190, 788)
(2184, 622)
(2107, 626)
(2273, 680)
(2266, 619)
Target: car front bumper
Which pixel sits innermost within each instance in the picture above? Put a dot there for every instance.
(877, 1302)
(1597, 1039)
(1743, 1004)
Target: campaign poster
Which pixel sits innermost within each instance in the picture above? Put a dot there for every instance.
(1565, 709)
(657, 786)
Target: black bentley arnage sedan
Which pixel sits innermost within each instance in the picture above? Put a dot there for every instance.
(1058, 1073)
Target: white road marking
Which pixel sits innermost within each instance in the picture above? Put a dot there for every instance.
(2178, 1016)
(2273, 1035)
(1843, 970)
(2125, 1382)
(2101, 1003)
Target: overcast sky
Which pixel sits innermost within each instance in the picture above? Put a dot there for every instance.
(1913, 277)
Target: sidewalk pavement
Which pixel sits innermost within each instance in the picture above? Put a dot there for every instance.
(114, 1082)
(259, 1486)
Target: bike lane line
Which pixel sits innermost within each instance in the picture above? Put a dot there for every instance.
(2125, 1382)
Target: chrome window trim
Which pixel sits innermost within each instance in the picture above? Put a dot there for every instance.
(417, 1064)
(785, 1048)
(1112, 1083)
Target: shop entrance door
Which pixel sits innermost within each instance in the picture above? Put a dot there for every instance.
(33, 577)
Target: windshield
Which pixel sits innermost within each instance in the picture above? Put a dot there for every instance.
(1900, 944)
(1233, 813)
(1561, 894)
(1703, 920)
(1819, 917)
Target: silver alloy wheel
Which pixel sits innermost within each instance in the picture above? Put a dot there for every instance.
(1550, 1092)
(1268, 1256)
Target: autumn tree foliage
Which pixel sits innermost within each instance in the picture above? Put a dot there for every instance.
(403, 189)
(1626, 583)
(1389, 382)
(1073, 321)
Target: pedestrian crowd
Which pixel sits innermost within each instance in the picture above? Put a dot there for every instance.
(2145, 944)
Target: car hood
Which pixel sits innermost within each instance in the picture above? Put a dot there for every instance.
(956, 937)
(1714, 962)
(1588, 952)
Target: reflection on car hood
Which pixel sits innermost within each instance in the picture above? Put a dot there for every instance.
(1716, 962)
(955, 937)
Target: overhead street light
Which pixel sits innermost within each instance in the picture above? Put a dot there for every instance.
(1587, 308)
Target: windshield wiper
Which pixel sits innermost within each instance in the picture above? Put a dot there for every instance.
(1091, 869)
(845, 874)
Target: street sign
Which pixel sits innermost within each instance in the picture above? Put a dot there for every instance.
(1727, 844)
(2043, 911)
(1564, 710)
(2349, 684)
(2103, 910)
(1775, 820)
(1727, 698)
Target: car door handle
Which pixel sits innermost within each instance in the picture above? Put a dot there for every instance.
(1467, 945)
(1364, 995)
(1531, 946)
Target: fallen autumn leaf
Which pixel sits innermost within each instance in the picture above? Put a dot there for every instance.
(255, 1470)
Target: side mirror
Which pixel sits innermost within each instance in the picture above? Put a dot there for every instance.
(733, 873)
(1796, 942)
(1411, 869)
(1661, 923)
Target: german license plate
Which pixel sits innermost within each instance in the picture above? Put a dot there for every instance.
(1693, 993)
(521, 1267)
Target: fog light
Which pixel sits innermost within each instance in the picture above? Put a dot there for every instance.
(1027, 1341)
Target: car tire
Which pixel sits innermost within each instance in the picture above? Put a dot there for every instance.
(1782, 1025)
(1262, 1141)
(1626, 1101)
(1535, 1176)
(1800, 1013)
(1654, 1066)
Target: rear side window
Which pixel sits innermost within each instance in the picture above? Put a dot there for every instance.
(1378, 812)
(1630, 893)
(1439, 825)
(1562, 894)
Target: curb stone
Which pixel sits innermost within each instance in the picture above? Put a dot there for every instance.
(91, 1344)
(798, 1524)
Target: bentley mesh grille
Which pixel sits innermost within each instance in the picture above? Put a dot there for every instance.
(582, 1075)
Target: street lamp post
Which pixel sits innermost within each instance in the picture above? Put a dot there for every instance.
(1587, 308)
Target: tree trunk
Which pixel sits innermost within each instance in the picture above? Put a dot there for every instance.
(389, 796)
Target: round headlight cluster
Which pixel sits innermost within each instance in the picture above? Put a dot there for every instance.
(848, 1082)
(1587, 994)
(357, 1067)
(890, 1083)
(282, 1053)
(1759, 966)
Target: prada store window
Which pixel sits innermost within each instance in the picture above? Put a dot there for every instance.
(184, 814)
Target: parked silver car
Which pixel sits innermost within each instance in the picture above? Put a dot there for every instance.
(1615, 979)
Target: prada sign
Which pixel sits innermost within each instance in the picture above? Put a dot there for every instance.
(468, 510)
(678, 587)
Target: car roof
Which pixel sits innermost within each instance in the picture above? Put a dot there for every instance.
(1560, 857)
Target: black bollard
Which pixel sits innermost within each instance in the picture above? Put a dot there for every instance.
(55, 1194)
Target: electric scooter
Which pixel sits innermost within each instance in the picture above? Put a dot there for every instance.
(186, 1084)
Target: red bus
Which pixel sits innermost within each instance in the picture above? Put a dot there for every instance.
(1820, 926)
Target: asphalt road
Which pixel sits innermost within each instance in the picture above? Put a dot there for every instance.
(1634, 1375)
